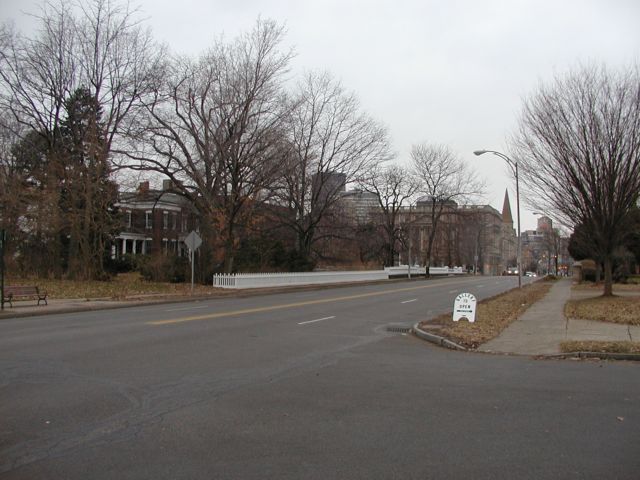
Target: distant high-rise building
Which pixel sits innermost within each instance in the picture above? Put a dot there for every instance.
(545, 223)
(327, 187)
(360, 205)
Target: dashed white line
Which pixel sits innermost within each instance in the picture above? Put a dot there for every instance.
(186, 308)
(480, 286)
(409, 301)
(453, 291)
(316, 320)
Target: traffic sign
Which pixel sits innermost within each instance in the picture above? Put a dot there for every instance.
(193, 241)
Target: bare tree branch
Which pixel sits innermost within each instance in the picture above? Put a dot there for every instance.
(578, 147)
(444, 179)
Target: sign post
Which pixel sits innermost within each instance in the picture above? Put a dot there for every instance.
(464, 306)
(193, 242)
(3, 241)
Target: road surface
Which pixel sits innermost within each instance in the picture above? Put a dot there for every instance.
(307, 384)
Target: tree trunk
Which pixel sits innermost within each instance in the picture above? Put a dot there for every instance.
(608, 277)
(229, 251)
(390, 256)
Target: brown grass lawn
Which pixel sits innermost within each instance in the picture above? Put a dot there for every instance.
(599, 287)
(123, 285)
(623, 309)
(596, 346)
(492, 316)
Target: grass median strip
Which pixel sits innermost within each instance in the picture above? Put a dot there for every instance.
(492, 316)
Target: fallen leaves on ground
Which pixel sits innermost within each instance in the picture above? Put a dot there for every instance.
(492, 316)
(599, 287)
(605, 309)
(124, 285)
(599, 346)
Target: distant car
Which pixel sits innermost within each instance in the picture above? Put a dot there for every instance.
(530, 274)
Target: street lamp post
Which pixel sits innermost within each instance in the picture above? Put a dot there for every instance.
(514, 168)
(409, 252)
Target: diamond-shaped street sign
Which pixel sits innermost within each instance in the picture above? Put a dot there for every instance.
(193, 241)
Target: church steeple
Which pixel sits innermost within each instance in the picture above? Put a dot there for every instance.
(506, 209)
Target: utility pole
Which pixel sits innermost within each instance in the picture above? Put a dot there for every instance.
(3, 241)
(409, 254)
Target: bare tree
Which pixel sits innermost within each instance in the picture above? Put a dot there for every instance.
(444, 180)
(393, 186)
(332, 142)
(578, 148)
(215, 127)
(101, 51)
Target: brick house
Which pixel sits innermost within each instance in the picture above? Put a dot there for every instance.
(154, 221)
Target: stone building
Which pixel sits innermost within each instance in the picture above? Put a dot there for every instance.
(545, 250)
(360, 205)
(477, 237)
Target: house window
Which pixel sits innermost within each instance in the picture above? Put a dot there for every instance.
(184, 223)
(148, 219)
(174, 221)
(128, 218)
(165, 245)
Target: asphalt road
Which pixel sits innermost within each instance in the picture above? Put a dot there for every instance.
(301, 385)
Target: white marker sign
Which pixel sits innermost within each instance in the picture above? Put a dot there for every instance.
(464, 307)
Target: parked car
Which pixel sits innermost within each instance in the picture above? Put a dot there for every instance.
(530, 274)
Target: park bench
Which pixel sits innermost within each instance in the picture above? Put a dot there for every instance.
(23, 292)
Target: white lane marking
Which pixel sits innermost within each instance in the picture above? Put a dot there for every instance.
(453, 291)
(317, 320)
(480, 286)
(186, 308)
(409, 301)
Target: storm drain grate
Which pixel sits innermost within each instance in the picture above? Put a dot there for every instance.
(399, 329)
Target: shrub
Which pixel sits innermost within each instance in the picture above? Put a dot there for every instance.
(164, 268)
(123, 264)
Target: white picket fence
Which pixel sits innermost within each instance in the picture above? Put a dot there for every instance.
(403, 269)
(258, 280)
(445, 271)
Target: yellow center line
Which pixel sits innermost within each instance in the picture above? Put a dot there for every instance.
(233, 313)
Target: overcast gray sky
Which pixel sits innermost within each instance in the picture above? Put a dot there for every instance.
(451, 72)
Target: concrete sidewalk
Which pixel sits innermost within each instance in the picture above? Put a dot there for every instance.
(541, 329)
(29, 308)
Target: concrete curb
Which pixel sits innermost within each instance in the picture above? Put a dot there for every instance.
(592, 355)
(438, 340)
(445, 342)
